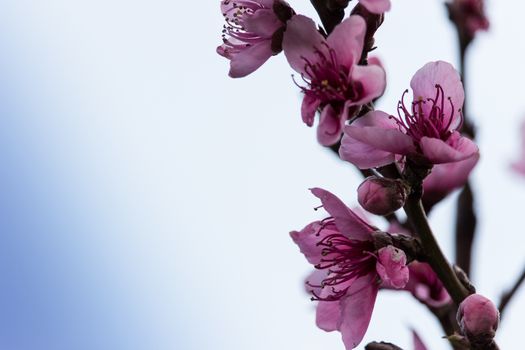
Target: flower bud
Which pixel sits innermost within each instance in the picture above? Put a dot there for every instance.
(382, 196)
(392, 267)
(478, 318)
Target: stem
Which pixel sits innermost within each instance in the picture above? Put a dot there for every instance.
(468, 128)
(416, 215)
(466, 220)
(507, 296)
(466, 223)
(330, 15)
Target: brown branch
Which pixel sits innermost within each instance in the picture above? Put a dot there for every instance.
(507, 296)
(466, 223)
(381, 346)
(331, 12)
(435, 257)
(466, 220)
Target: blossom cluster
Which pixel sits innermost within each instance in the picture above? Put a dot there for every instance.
(415, 154)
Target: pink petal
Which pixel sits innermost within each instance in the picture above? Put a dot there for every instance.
(376, 6)
(519, 165)
(266, 3)
(308, 238)
(263, 22)
(301, 40)
(356, 310)
(327, 315)
(376, 118)
(369, 81)
(363, 155)
(248, 60)
(372, 141)
(313, 281)
(389, 140)
(438, 151)
(347, 40)
(426, 286)
(418, 343)
(330, 126)
(346, 220)
(391, 266)
(308, 109)
(445, 178)
(424, 82)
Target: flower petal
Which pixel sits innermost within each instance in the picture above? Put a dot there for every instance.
(301, 40)
(426, 286)
(346, 220)
(330, 126)
(445, 178)
(438, 151)
(308, 109)
(312, 284)
(376, 6)
(369, 82)
(356, 310)
(363, 155)
(389, 140)
(308, 238)
(263, 22)
(248, 60)
(372, 141)
(424, 82)
(418, 343)
(519, 165)
(327, 315)
(347, 40)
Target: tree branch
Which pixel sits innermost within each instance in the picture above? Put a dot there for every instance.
(435, 257)
(507, 296)
(466, 220)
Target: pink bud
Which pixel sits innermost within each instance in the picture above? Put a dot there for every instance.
(478, 318)
(392, 267)
(382, 196)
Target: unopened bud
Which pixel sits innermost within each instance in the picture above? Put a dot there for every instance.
(382, 196)
(478, 318)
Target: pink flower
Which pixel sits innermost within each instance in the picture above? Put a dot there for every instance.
(426, 286)
(252, 33)
(519, 166)
(469, 17)
(335, 84)
(349, 268)
(425, 133)
(376, 6)
(478, 318)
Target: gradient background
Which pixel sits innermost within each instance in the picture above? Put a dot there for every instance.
(145, 197)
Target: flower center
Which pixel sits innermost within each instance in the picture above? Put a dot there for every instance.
(345, 260)
(234, 34)
(422, 121)
(326, 79)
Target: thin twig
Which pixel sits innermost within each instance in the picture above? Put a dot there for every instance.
(466, 223)
(436, 258)
(466, 220)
